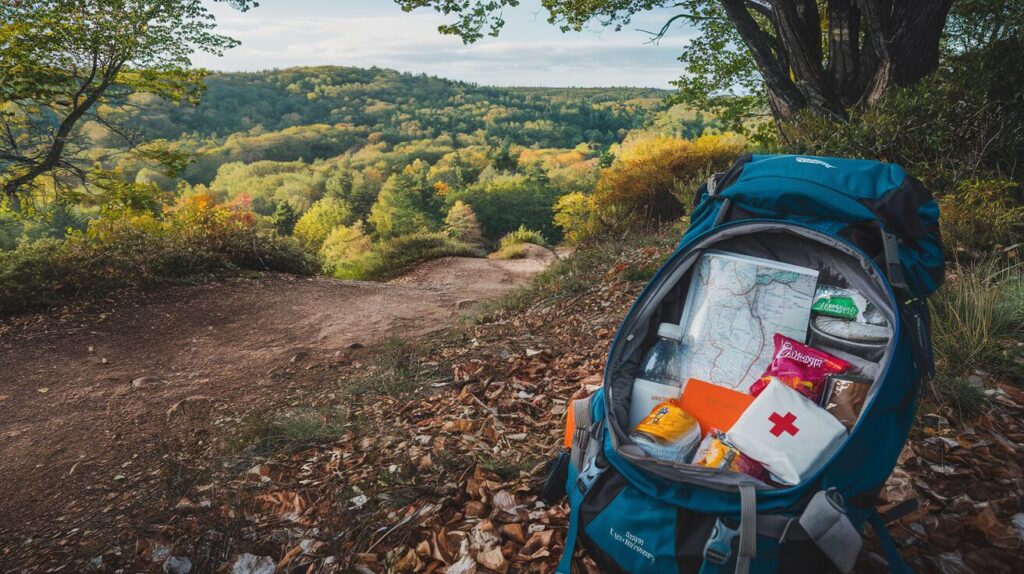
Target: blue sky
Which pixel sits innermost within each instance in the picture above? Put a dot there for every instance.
(529, 52)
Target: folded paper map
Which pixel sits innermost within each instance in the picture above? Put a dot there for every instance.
(735, 305)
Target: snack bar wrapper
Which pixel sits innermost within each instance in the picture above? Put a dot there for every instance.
(800, 367)
(787, 433)
(716, 452)
(667, 433)
(845, 396)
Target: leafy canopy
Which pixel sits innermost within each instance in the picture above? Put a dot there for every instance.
(61, 59)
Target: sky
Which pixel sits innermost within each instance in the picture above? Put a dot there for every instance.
(529, 52)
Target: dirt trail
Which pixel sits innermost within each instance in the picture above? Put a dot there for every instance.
(88, 399)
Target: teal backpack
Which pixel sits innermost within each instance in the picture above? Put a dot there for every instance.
(865, 221)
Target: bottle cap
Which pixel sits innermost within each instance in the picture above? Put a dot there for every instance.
(670, 331)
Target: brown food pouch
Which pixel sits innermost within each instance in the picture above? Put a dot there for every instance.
(845, 396)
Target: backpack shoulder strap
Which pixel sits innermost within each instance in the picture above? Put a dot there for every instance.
(586, 466)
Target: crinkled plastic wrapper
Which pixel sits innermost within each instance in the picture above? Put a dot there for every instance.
(667, 433)
(800, 367)
(716, 452)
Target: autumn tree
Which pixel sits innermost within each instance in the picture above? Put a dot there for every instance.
(653, 177)
(319, 221)
(826, 56)
(61, 59)
(461, 223)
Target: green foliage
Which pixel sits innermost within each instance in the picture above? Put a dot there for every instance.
(65, 60)
(506, 202)
(343, 251)
(127, 251)
(980, 215)
(390, 258)
(407, 204)
(287, 432)
(512, 245)
(461, 224)
(976, 318)
(316, 225)
(284, 218)
(961, 397)
(964, 122)
(523, 235)
(352, 106)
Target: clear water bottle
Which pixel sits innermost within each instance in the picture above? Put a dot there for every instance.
(661, 376)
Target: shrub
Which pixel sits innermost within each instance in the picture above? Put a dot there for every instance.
(966, 118)
(653, 178)
(975, 315)
(512, 244)
(128, 251)
(317, 223)
(391, 258)
(574, 214)
(981, 215)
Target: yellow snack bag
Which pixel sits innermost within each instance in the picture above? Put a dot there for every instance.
(667, 423)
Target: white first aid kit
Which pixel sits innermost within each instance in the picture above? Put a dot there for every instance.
(787, 433)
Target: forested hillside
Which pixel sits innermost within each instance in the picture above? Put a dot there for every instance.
(354, 172)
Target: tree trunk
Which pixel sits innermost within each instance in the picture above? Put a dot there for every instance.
(873, 46)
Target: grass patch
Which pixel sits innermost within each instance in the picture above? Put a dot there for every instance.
(389, 259)
(963, 400)
(977, 316)
(393, 369)
(513, 244)
(287, 432)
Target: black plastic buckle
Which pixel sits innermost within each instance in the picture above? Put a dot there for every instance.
(893, 267)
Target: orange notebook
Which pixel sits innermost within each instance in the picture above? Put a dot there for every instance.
(713, 406)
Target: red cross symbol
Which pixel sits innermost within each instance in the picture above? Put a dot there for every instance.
(783, 424)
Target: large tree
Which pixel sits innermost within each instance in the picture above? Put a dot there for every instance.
(827, 56)
(66, 62)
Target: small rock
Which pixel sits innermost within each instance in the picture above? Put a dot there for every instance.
(97, 562)
(144, 382)
(1018, 524)
(252, 564)
(159, 552)
(359, 501)
(177, 565)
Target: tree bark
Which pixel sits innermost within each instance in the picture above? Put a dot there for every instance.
(904, 36)
(873, 46)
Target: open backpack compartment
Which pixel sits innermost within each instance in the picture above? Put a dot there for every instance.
(860, 225)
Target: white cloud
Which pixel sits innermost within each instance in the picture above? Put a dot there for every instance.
(529, 52)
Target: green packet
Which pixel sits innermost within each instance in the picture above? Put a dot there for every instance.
(837, 302)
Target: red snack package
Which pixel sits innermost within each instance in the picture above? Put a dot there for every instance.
(801, 367)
